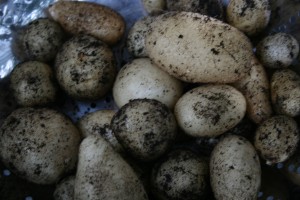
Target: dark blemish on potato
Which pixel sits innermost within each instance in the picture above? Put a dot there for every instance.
(249, 4)
(180, 36)
(214, 51)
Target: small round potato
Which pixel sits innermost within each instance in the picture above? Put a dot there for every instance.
(181, 175)
(65, 189)
(278, 50)
(251, 17)
(285, 92)
(85, 68)
(152, 6)
(39, 145)
(276, 139)
(210, 110)
(145, 127)
(140, 79)
(235, 171)
(98, 123)
(39, 40)
(33, 84)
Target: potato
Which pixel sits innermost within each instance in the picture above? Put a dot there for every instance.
(39, 145)
(85, 68)
(33, 84)
(152, 6)
(210, 110)
(39, 40)
(251, 17)
(198, 48)
(181, 175)
(143, 79)
(89, 18)
(98, 123)
(278, 50)
(276, 139)
(255, 87)
(102, 174)
(285, 92)
(291, 168)
(213, 8)
(65, 189)
(136, 36)
(145, 127)
(235, 171)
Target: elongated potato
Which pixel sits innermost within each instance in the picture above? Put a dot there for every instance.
(89, 18)
(102, 174)
(255, 87)
(197, 48)
(235, 171)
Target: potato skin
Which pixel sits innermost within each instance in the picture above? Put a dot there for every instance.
(210, 110)
(276, 139)
(89, 18)
(39, 145)
(85, 68)
(143, 79)
(255, 87)
(33, 84)
(235, 171)
(102, 174)
(285, 92)
(251, 17)
(197, 48)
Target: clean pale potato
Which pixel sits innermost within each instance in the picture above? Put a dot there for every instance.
(285, 92)
(85, 68)
(255, 87)
(65, 189)
(277, 50)
(276, 139)
(235, 171)
(197, 48)
(251, 17)
(146, 128)
(39, 40)
(140, 79)
(39, 145)
(102, 174)
(88, 18)
(210, 110)
(152, 6)
(181, 175)
(33, 84)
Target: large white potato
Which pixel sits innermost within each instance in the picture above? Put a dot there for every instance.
(102, 174)
(235, 171)
(140, 79)
(197, 48)
(210, 110)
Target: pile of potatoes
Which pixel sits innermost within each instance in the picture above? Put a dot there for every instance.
(195, 74)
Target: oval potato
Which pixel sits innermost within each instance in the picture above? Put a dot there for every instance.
(210, 110)
(197, 48)
(88, 18)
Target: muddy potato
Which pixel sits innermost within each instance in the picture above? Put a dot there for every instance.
(88, 18)
(39, 145)
(65, 189)
(152, 6)
(181, 175)
(85, 68)
(255, 87)
(278, 50)
(33, 84)
(276, 139)
(136, 36)
(102, 174)
(197, 48)
(235, 171)
(251, 17)
(39, 40)
(143, 79)
(285, 92)
(98, 123)
(210, 110)
(145, 127)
